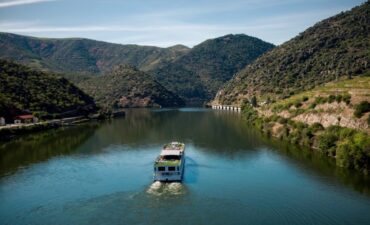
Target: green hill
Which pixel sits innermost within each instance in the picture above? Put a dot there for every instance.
(335, 47)
(126, 86)
(199, 73)
(195, 73)
(24, 89)
(78, 56)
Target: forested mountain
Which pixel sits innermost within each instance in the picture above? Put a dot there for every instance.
(200, 72)
(337, 46)
(23, 89)
(82, 56)
(126, 86)
(195, 73)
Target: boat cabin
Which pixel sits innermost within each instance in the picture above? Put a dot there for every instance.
(169, 165)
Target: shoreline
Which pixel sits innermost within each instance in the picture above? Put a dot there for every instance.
(347, 146)
(11, 131)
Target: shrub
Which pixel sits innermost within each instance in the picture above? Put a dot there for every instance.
(274, 118)
(306, 137)
(338, 98)
(346, 98)
(282, 120)
(254, 101)
(331, 98)
(350, 147)
(316, 127)
(320, 100)
(361, 108)
(361, 140)
(249, 113)
(327, 142)
(312, 106)
(304, 98)
(343, 156)
(297, 104)
(368, 120)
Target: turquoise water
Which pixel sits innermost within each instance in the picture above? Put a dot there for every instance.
(101, 173)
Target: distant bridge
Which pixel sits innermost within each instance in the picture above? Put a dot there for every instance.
(227, 107)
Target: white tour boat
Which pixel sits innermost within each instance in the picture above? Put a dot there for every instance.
(169, 165)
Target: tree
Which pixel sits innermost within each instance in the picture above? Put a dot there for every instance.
(254, 101)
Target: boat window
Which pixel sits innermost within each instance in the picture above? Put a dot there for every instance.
(171, 168)
(177, 169)
(161, 168)
(171, 157)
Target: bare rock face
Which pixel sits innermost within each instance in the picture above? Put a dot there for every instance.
(332, 106)
(327, 119)
(324, 118)
(352, 123)
(277, 130)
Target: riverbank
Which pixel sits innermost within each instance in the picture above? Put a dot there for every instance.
(10, 131)
(349, 147)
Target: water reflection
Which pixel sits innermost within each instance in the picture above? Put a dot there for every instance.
(319, 165)
(41, 146)
(212, 130)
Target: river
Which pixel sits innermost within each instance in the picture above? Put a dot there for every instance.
(101, 173)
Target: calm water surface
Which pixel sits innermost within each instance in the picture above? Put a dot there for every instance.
(102, 174)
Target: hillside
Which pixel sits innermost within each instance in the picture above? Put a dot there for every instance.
(78, 56)
(335, 103)
(199, 73)
(333, 119)
(24, 89)
(335, 47)
(194, 74)
(126, 86)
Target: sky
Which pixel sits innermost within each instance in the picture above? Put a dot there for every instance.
(166, 23)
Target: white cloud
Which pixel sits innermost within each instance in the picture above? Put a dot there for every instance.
(21, 2)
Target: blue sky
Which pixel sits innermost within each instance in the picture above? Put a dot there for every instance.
(166, 22)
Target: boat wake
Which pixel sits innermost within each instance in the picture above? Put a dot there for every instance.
(158, 189)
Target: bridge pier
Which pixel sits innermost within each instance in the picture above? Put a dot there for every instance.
(227, 107)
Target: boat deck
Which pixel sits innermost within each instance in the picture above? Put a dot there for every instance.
(168, 163)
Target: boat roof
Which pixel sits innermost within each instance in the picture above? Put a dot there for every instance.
(174, 146)
(171, 152)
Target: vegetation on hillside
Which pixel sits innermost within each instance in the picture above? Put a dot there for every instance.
(76, 56)
(350, 147)
(335, 47)
(361, 108)
(126, 86)
(200, 72)
(194, 74)
(26, 90)
(332, 119)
